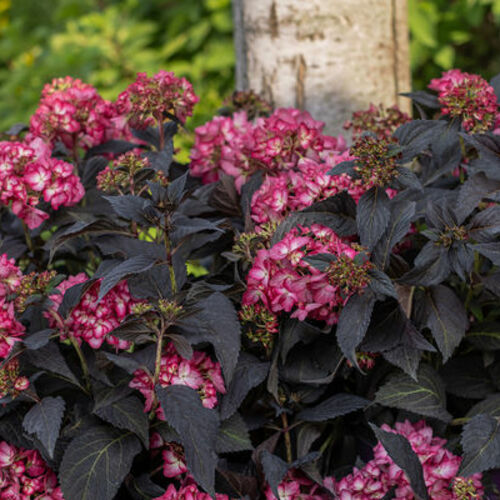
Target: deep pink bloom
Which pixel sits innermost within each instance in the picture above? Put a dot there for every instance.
(92, 320)
(10, 276)
(469, 97)
(149, 101)
(378, 476)
(199, 373)
(281, 278)
(11, 330)
(188, 490)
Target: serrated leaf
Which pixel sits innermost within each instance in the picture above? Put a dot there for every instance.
(466, 377)
(233, 436)
(401, 452)
(416, 136)
(488, 146)
(44, 420)
(130, 207)
(197, 428)
(381, 284)
(373, 216)
(485, 336)
(425, 396)
(127, 413)
(249, 373)
(489, 406)
(335, 406)
(432, 266)
(485, 225)
(489, 250)
(38, 339)
(49, 358)
(96, 462)
(353, 323)
(134, 265)
(481, 444)
(424, 98)
(473, 191)
(175, 190)
(446, 318)
(275, 470)
(216, 322)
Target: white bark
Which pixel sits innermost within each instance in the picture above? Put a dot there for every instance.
(331, 57)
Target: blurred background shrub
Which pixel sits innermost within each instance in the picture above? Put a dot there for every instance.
(105, 42)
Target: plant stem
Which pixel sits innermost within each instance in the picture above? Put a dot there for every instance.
(27, 237)
(288, 441)
(83, 362)
(168, 250)
(159, 351)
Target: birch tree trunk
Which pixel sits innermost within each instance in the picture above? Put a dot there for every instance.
(331, 57)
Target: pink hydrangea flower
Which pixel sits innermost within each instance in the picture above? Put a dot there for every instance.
(379, 475)
(92, 320)
(148, 101)
(468, 97)
(295, 486)
(24, 475)
(73, 113)
(199, 373)
(28, 174)
(281, 279)
(11, 330)
(10, 276)
(188, 490)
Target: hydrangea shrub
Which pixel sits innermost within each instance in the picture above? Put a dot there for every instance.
(288, 316)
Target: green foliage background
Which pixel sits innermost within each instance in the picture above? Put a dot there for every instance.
(105, 42)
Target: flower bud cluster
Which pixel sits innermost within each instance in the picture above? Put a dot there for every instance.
(380, 474)
(468, 97)
(149, 101)
(200, 373)
(120, 176)
(282, 279)
(92, 320)
(31, 284)
(73, 113)
(379, 121)
(28, 175)
(24, 475)
(250, 102)
(11, 383)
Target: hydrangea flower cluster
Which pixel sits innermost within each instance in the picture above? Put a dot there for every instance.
(28, 174)
(223, 146)
(24, 475)
(148, 101)
(172, 454)
(73, 113)
(11, 330)
(380, 474)
(297, 189)
(237, 147)
(188, 491)
(379, 121)
(282, 279)
(11, 383)
(296, 486)
(468, 97)
(199, 373)
(10, 276)
(92, 320)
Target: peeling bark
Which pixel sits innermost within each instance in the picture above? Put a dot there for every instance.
(331, 57)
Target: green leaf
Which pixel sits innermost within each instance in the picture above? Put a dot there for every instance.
(44, 420)
(96, 462)
(481, 444)
(127, 413)
(401, 452)
(197, 428)
(424, 396)
(233, 436)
